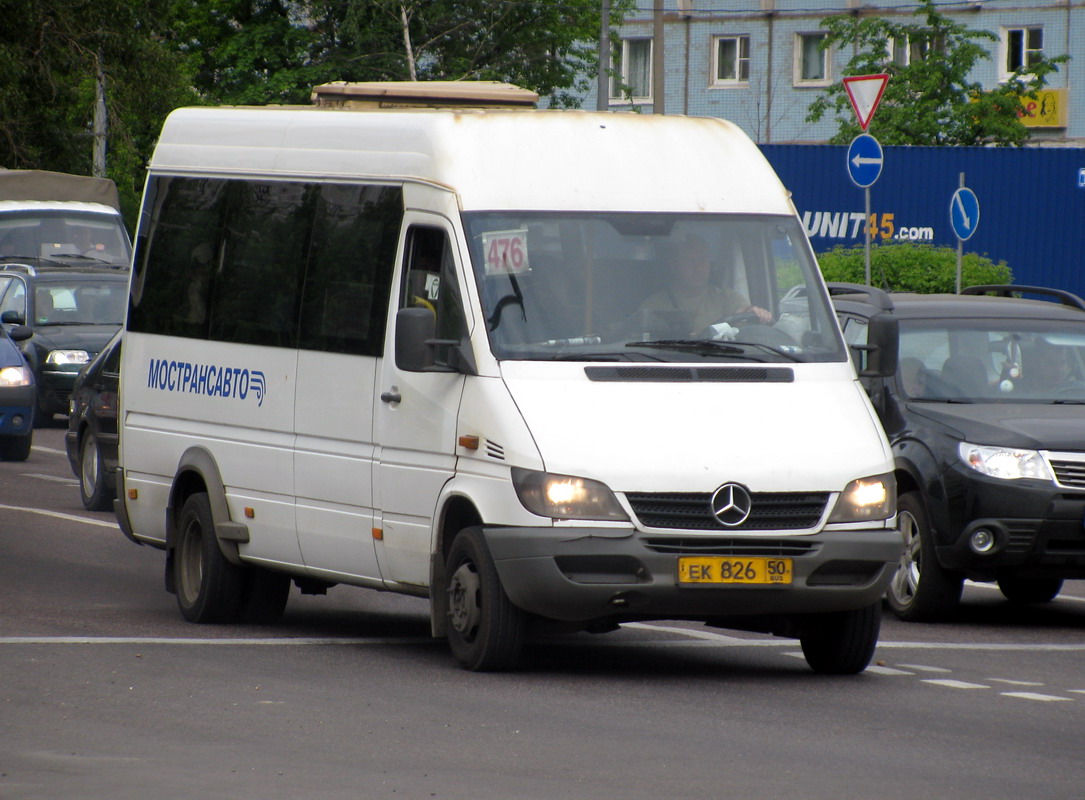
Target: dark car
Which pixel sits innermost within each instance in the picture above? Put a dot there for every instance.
(986, 416)
(91, 440)
(17, 395)
(72, 311)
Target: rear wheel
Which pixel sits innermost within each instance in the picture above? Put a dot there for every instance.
(922, 590)
(1029, 590)
(209, 588)
(92, 488)
(485, 630)
(842, 642)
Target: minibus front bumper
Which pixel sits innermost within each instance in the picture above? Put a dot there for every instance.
(584, 573)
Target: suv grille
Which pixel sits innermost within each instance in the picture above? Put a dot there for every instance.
(1069, 473)
(693, 511)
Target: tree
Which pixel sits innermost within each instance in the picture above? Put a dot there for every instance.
(930, 100)
(50, 54)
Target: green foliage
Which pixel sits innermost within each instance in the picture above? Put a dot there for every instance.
(909, 267)
(931, 100)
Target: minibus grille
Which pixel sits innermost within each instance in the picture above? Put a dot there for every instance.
(721, 546)
(654, 374)
(693, 511)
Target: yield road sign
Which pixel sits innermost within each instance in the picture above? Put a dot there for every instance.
(864, 160)
(964, 213)
(864, 93)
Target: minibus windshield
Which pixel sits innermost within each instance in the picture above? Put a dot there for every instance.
(591, 286)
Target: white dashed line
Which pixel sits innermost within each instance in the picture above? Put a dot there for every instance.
(1046, 698)
(952, 684)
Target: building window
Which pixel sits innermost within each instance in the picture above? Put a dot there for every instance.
(811, 61)
(910, 50)
(1023, 47)
(732, 57)
(633, 72)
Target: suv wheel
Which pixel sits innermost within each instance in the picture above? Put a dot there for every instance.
(922, 590)
(1029, 590)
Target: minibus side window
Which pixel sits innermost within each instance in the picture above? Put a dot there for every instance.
(351, 257)
(257, 281)
(179, 237)
(429, 281)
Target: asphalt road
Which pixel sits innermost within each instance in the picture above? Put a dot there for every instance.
(106, 693)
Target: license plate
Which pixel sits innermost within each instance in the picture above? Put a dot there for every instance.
(716, 569)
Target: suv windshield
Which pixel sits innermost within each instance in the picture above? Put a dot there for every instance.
(593, 286)
(63, 234)
(992, 360)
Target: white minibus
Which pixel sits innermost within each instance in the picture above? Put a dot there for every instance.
(544, 368)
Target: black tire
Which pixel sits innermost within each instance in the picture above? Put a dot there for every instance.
(42, 418)
(16, 448)
(842, 642)
(922, 590)
(485, 630)
(209, 588)
(92, 489)
(264, 596)
(1028, 591)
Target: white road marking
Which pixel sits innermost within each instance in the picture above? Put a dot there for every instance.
(952, 684)
(151, 640)
(60, 515)
(1014, 683)
(1046, 698)
(53, 450)
(924, 668)
(878, 669)
(51, 478)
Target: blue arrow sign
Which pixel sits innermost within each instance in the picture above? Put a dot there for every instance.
(864, 160)
(964, 213)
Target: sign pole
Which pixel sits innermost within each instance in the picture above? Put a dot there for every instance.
(866, 235)
(960, 247)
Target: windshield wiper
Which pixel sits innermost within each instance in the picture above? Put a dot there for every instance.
(709, 347)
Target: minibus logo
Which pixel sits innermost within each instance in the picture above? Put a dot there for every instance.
(209, 380)
(731, 505)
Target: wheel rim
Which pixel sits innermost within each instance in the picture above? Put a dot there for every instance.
(190, 562)
(89, 470)
(906, 582)
(463, 605)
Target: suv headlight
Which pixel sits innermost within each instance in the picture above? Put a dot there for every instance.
(565, 496)
(1007, 463)
(16, 376)
(64, 357)
(866, 499)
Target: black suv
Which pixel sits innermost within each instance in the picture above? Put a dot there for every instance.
(72, 311)
(986, 416)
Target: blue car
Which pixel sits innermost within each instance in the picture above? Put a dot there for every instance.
(17, 396)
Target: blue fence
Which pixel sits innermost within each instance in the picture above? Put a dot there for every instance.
(1032, 202)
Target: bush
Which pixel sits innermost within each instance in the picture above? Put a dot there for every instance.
(911, 267)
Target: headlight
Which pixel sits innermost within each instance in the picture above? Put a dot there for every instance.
(64, 357)
(16, 376)
(866, 499)
(1007, 463)
(565, 496)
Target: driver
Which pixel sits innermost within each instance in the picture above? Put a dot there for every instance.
(691, 293)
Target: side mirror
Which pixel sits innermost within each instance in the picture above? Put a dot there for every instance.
(20, 333)
(878, 357)
(415, 331)
(12, 317)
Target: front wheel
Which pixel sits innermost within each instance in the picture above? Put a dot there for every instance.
(209, 588)
(1028, 591)
(485, 630)
(843, 642)
(922, 590)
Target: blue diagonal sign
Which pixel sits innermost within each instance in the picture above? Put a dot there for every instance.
(864, 160)
(964, 213)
